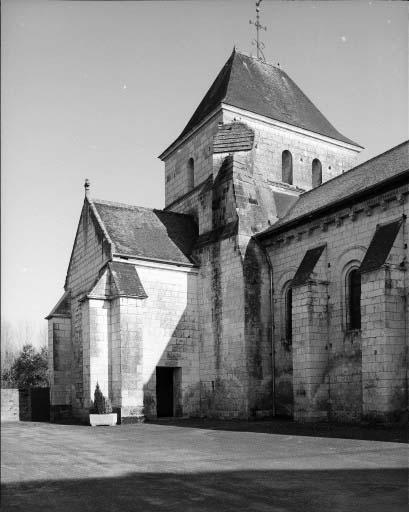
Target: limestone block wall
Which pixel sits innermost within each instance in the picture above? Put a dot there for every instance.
(198, 146)
(114, 349)
(90, 253)
(384, 344)
(347, 234)
(234, 315)
(59, 363)
(168, 335)
(271, 140)
(223, 360)
(310, 351)
(131, 320)
(95, 329)
(10, 405)
(198, 204)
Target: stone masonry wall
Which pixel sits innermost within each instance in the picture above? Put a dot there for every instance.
(235, 350)
(384, 344)
(270, 142)
(59, 364)
(198, 146)
(95, 328)
(90, 253)
(310, 359)
(10, 405)
(167, 335)
(347, 234)
(130, 353)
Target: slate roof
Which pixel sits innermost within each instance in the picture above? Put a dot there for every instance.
(62, 308)
(307, 265)
(233, 137)
(380, 246)
(250, 84)
(126, 280)
(388, 165)
(147, 233)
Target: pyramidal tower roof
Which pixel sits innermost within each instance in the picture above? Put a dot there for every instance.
(261, 88)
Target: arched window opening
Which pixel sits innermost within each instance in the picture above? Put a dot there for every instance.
(354, 299)
(289, 314)
(190, 174)
(316, 173)
(287, 167)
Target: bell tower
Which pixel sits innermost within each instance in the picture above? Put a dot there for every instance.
(253, 145)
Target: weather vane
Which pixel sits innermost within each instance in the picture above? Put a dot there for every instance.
(259, 45)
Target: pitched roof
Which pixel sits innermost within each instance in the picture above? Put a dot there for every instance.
(382, 168)
(250, 84)
(380, 246)
(126, 280)
(147, 233)
(307, 266)
(62, 308)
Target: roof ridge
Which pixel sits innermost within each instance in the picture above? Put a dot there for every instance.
(240, 52)
(121, 205)
(135, 207)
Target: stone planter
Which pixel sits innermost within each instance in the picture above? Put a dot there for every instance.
(109, 419)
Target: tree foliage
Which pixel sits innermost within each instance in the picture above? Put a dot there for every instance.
(101, 405)
(29, 369)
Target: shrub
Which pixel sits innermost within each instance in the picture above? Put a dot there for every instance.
(101, 405)
(30, 368)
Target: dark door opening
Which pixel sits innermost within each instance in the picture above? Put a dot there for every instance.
(40, 404)
(164, 391)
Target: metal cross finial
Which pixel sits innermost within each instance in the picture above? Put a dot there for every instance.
(259, 45)
(87, 185)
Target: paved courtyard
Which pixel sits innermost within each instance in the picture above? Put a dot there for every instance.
(179, 467)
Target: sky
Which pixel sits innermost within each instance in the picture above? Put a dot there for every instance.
(99, 89)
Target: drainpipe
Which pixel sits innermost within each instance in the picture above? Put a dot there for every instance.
(273, 355)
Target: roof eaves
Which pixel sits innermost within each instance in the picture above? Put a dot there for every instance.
(154, 260)
(331, 206)
(55, 308)
(351, 144)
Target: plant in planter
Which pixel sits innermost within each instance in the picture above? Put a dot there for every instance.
(101, 410)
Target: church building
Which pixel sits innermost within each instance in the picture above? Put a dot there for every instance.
(273, 282)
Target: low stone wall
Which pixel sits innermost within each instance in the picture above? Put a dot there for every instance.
(29, 404)
(10, 405)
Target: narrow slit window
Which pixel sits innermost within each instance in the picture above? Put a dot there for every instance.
(287, 167)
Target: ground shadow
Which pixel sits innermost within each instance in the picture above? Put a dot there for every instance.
(379, 490)
(393, 433)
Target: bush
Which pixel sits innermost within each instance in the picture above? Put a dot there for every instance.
(29, 369)
(101, 405)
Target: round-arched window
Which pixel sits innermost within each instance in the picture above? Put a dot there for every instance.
(353, 295)
(287, 167)
(190, 174)
(316, 173)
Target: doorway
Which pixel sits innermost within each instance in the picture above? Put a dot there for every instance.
(164, 391)
(40, 404)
